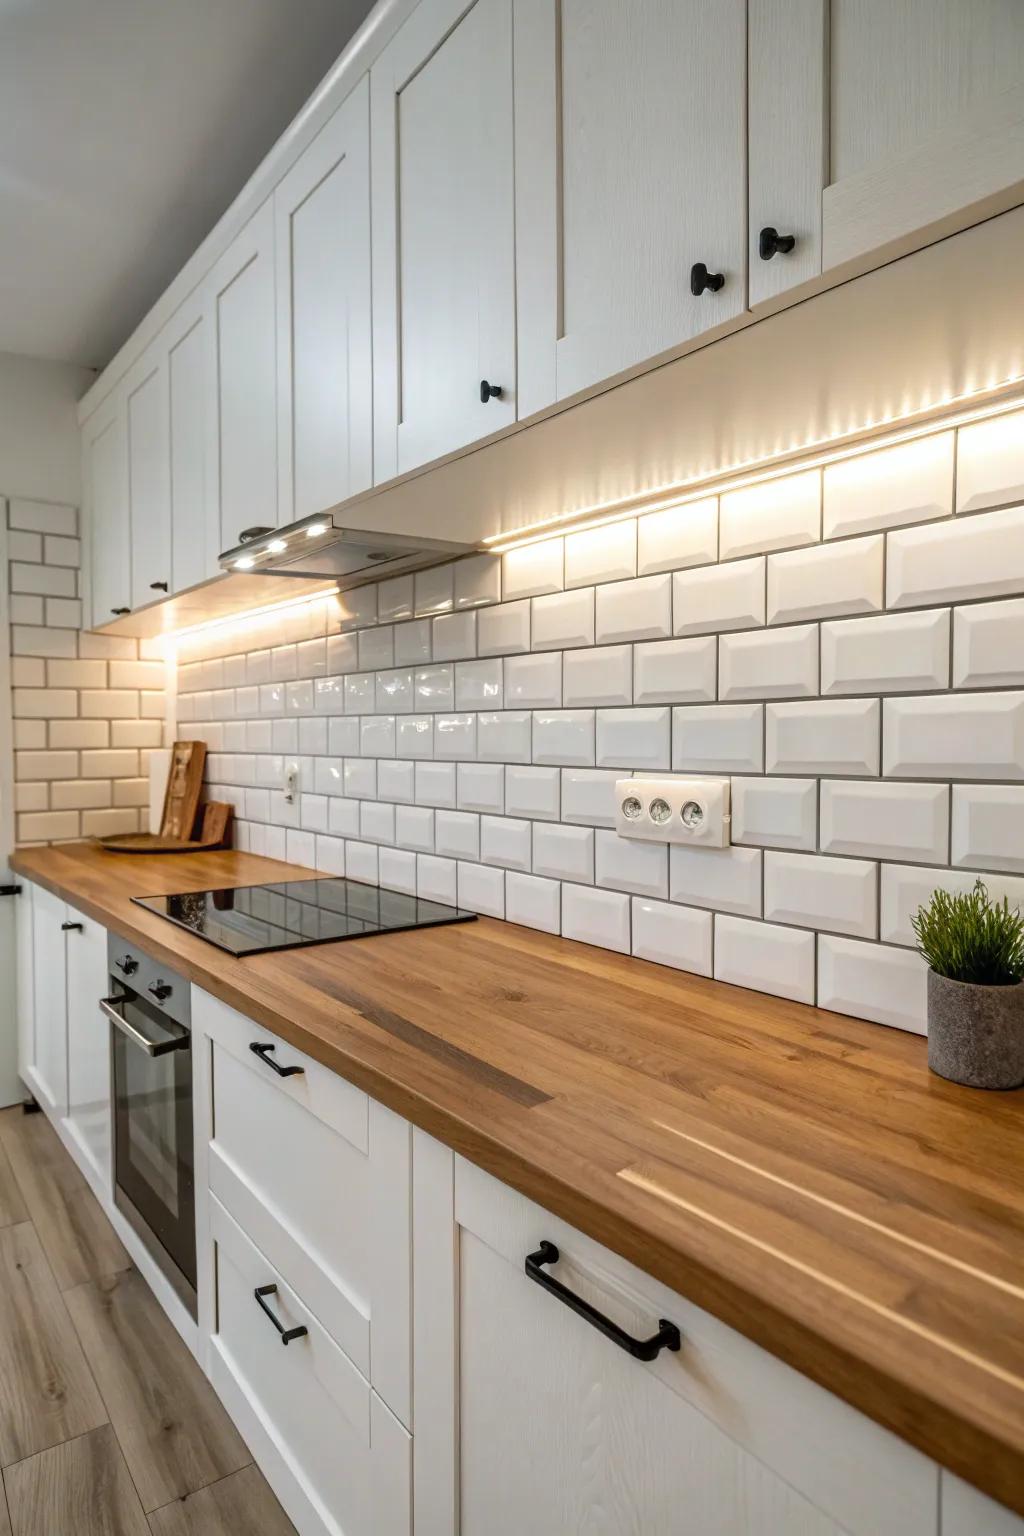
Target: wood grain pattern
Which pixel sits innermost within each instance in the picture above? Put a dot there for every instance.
(81, 1487)
(12, 1206)
(241, 1503)
(79, 1241)
(5, 1519)
(799, 1174)
(46, 1392)
(175, 1435)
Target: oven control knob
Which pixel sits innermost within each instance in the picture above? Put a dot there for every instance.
(161, 990)
(127, 966)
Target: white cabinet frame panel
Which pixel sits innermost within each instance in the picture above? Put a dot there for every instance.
(149, 480)
(195, 531)
(105, 494)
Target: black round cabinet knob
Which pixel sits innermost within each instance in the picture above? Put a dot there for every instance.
(770, 243)
(701, 279)
(489, 391)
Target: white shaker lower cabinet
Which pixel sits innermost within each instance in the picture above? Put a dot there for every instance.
(24, 960)
(966, 1512)
(44, 1067)
(88, 1035)
(561, 1430)
(444, 306)
(630, 173)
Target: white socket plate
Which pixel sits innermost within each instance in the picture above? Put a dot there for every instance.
(707, 826)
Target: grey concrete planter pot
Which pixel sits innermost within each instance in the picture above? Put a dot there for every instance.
(976, 1034)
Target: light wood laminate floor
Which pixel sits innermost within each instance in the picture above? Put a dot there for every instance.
(107, 1425)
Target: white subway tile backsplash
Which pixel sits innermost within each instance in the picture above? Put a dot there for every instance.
(833, 579)
(453, 635)
(873, 981)
(836, 895)
(718, 738)
(436, 879)
(671, 935)
(588, 796)
(719, 597)
(412, 643)
(504, 736)
(980, 556)
(377, 736)
(478, 685)
(533, 903)
(563, 620)
(504, 630)
(477, 581)
(634, 610)
(433, 592)
(395, 599)
(624, 864)
(414, 735)
(775, 813)
(457, 834)
(966, 735)
(606, 553)
(533, 570)
(634, 738)
(533, 792)
(434, 688)
(396, 780)
(882, 820)
(988, 826)
(990, 463)
(724, 879)
(328, 696)
(905, 889)
(312, 736)
(909, 483)
(414, 828)
(778, 664)
(435, 784)
(827, 736)
(481, 787)
(455, 737)
(396, 870)
(765, 957)
(988, 645)
(534, 682)
(894, 653)
(505, 840)
(778, 514)
(481, 889)
(678, 537)
(342, 736)
(330, 855)
(360, 778)
(596, 917)
(675, 671)
(563, 852)
(603, 675)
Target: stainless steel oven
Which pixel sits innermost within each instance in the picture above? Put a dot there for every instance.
(151, 1092)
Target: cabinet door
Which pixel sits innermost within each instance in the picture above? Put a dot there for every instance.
(242, 378)
(926, 120)
(88, 1092)
(630, 168)
(25, 980)
(324, 362)
(966, 1512)
(47, 1068)
(105, 476)
(195, 542)
(148, 478)
(443, 232)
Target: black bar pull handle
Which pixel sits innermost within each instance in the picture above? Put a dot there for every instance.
(287, 1334)
(72, 927)
(667, 1336)
(10, 890)
(263, 1052)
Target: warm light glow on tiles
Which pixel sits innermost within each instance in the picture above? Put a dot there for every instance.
(250, 617)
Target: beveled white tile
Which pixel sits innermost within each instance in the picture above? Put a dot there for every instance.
(395, 599)
(823, 736)
(361, 693)
(533, 792)
(504, 629)
(624, 864)
(719, 597)
(534, 682)
(894, 653)
(779, 664)
(634, 610)
(434, 592)
(978, 556)
(257, 667)
(329, 695)
(285, 737)
(565, 619)
(436, 879)
(955, 735)
(596, 917)
(376, 648)
(988, 645)
(988, 826)
(533, 903)
(482, 889)
(330, 855)
(775, 813)
(414, 736)
(435, 784)
(377, 735)
(356, 609)
(504, 736)
(414, 828)
(606, 553)
(634, 738)
(829, 580)
(678, 537)
(342, 654)
(481, 787)
(506, 841)
(477, 581)
(990, 463)
(283, 663)
(765, 958)
(836, 895)
(588, 796)
(718, 738)
(478, 684)
(905, 889)
(313, 736)
(563, 852)
(886, 820)
(873, 981)
(298, 697)
(908, 483)
(301, 848)
(675, 671)
(602, 675)
(777, 514)
(563, 736)
(310, 658)
(412, 643)
(396, 780)
(723, 879)
(376, 822)
(533, 570)
(396, 870)
(435, 687)
(359, 777)
(457, 834)
(671, 935)
(454, 636)
(343, 736)
(394, 692)
(455, 736)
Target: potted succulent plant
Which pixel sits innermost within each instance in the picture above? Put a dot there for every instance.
(975, 954)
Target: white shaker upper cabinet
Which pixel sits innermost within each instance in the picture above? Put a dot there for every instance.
(105, 482)
(195, 543)
(443, 233)
(926, 121)
(242, 378)
(324, 359)
(149, 485)
(630, 172)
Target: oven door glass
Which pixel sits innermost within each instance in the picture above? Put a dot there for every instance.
(153, 1149)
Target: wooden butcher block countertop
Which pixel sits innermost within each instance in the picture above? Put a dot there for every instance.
(799, 1174)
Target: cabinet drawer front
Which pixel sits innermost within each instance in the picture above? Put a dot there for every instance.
(815, 1442)
(333, 1455)
(88, 1118)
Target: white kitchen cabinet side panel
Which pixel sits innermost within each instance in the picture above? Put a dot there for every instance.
(25, 977)
(324, 357)
(786, 138)
(105, 477)
(966, 1512)
(635, 114)
(441, 129)
(88, 1096)
(149, 480)
(435, 1338)
(47, 1071)
(195, 534)
(242, 378)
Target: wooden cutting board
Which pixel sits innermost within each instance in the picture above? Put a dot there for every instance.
(184, 786)
(215, 833)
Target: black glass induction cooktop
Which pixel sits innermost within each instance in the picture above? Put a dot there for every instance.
(251, 919)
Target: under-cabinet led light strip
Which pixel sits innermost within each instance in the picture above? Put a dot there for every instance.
(239, 619)
(850, 444)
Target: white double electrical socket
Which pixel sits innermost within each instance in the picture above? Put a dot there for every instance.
(674, 810)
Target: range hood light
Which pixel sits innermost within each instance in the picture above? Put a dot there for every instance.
(315, 530)
(246, 563)
(277, 546)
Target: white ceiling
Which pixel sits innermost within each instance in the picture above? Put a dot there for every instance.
(126, 128)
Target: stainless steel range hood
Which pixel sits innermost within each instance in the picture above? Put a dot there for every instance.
(323, 548)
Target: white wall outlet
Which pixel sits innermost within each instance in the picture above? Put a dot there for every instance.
(290, 783)
(674, 810)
